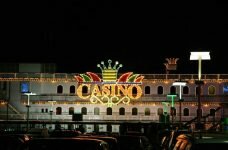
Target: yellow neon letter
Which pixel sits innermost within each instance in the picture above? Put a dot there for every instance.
(123, 90)
(106, 90)
(138, 94)
(96, 90)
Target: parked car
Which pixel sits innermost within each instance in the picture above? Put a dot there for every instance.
(64, 133)
(11, 142)
(112, 142)
(67, 144)
(38, 132)
(132, 142)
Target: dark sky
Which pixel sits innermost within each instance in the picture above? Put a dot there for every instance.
(78, 34)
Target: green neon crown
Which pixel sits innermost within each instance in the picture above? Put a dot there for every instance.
(109, 74)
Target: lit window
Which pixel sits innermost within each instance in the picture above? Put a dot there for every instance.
(24, 87)
(134, 111)
(147, 111)
(160, 111)
(225, 89)
(96, 111)
(211, 90)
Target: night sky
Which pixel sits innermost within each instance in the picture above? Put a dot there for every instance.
(78, 34)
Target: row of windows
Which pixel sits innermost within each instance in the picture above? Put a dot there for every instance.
(121, 111)
(160, 90)
(60, 89)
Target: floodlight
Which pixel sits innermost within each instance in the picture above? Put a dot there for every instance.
(200, 56)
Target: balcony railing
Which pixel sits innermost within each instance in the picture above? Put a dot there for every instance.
(65, 76)
(67, 117)
(145, 98)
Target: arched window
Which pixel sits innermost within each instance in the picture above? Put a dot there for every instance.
(59, 89)
(185, 90)
(147, 90)
(160, 111)
(84, 90)
(134, 90)
(84, 111)
(225, 89)
(160, 90)
(46, 110)
(58, 111)
(134, 111)
(109, 111)
(211, 90)
(186, 112)
(122, 111)
(147, 111)
(212, 112)
(72, 89)
(96, 111)
(71, 110)
(42, 110)
(172, 90)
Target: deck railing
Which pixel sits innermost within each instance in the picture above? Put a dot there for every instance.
(70, 76)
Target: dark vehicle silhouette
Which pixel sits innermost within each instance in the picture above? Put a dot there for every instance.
(132, 142)
(66, 144)
(112, 142)
(11, 142)
(64, 133)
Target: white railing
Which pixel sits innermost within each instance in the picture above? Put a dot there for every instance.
(38, 76)
(99, 117)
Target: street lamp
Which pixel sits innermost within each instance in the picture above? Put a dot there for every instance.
(199, 56)
(165, 104)
(180, 84)
(51, 110)
(28, 95)
(172, 110)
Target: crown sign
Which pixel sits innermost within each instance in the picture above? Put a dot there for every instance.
(109, 74)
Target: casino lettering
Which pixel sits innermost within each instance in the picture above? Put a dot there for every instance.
(110, 90)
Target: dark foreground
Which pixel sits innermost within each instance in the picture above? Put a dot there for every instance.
(42, 139)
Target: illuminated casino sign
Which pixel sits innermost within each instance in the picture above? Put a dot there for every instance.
(109, 90)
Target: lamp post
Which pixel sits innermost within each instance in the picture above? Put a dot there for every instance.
(172, 110)
(180, 84)
(51, 109)
(165, 104)
(28, 95)
(199, 56)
